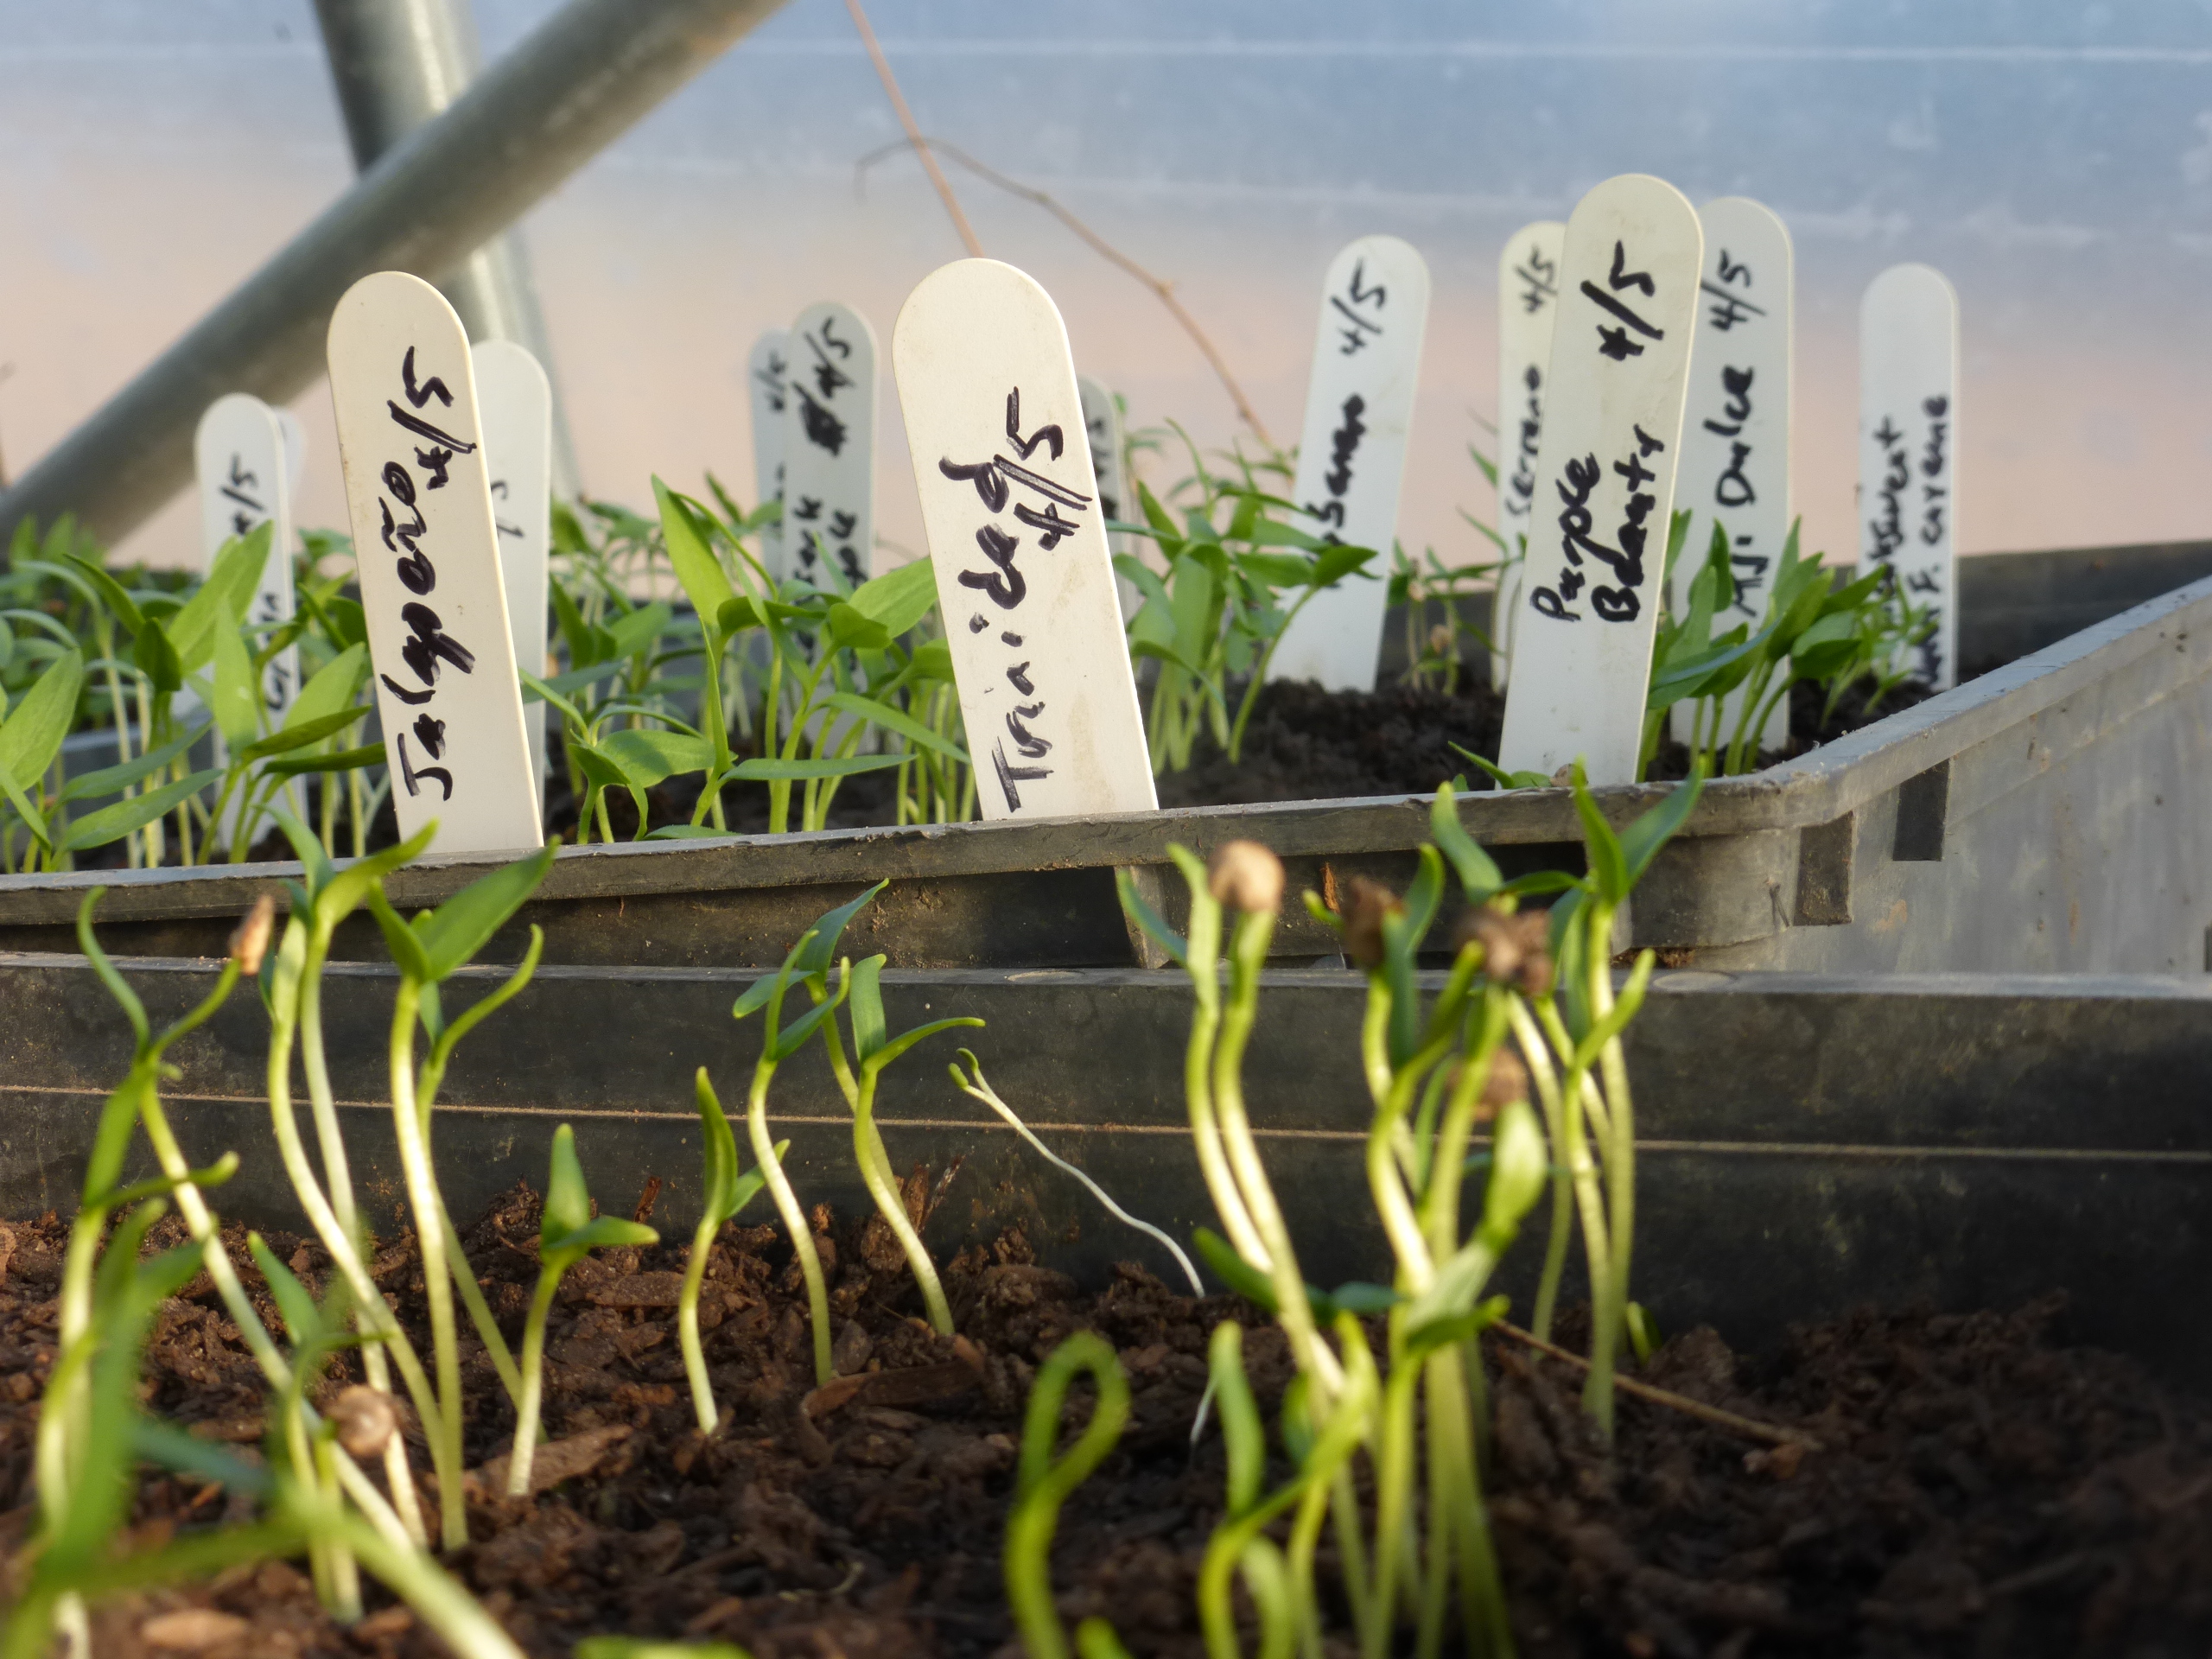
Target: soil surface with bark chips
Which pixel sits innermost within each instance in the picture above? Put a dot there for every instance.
(1942, 1485)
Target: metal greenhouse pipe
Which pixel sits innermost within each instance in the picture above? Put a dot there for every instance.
(397, 65)
(522, 127)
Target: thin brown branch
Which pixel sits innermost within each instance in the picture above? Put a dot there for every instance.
(1165, 290)
(1750, 1427)
(921, 145)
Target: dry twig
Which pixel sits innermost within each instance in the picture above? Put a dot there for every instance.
(928, 147)
(921, 145)
(1750, 1427)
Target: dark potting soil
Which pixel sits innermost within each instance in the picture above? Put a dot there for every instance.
(1976, 1489)
(1304, 743)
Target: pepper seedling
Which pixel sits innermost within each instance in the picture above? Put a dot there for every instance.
(1042, 1485)
(568, 1232)
(862, 994)
(808, 963)
(429, 950)
(727, 1193)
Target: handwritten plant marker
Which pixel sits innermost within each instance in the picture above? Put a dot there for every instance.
(246, 481)
(1908, 449)
(1736, 430)
(1017, 543)
(830, 447)
(419, 499)
(764, 372)
(515, 399)
(1101, 427)
(1352, 455)
(1583, 633)
(1527, 301)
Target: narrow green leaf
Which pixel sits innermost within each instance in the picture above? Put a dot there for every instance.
(793, 1036)
(407, 952)
(32, 732)
(1242, 1278)
(220, 602)
(355, 879)
(1339, 563)
(156, 657)
(302, 1323)
(291, 766)
(113, 823)
(898, 598)
(1641, 842)
(314, 861)
(817, 946)
(236, 702)
(647, 755)
(897, 1046)
(111, 592)
(462, 926)
(299, 734)
(1608, 868)
(850, 630)
(865, 998)
(567, 1201)
(1479, 876)
(602, 1232)
(1154, 924)
(692, 554)
(91, 785)
(755, 997)
(893, 720)
(331, 687)
(26, 809)
(720, 1149)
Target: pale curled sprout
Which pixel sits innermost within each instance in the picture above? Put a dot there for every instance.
(1246, 876)
(249, 944)
(367, 1419)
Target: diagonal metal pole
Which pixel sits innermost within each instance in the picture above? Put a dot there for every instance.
(396, 64)
(522, 127)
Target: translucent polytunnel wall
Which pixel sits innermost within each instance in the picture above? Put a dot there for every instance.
(2054, 158)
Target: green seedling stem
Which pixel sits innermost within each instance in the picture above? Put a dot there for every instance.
(726, 1194)
(808, 963)
(1042, 1485)
(787, 1206)
(200, 1222)
(1198, 958)
(566, 1233)
(296, 1005)
(1239, 1542)
(443, 1423)
(859, 989)
(1248, 955)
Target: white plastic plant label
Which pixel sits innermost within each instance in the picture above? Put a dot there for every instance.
(419, 497)
(764, 372)
(1590, 602)
(516, 400)
(1352, 452)
(830, 447)
(1736, 429)
(296, 448)
(1907, 450)
(246, 481)
(1527, 301)
(1017, 543)
(1102, 428)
